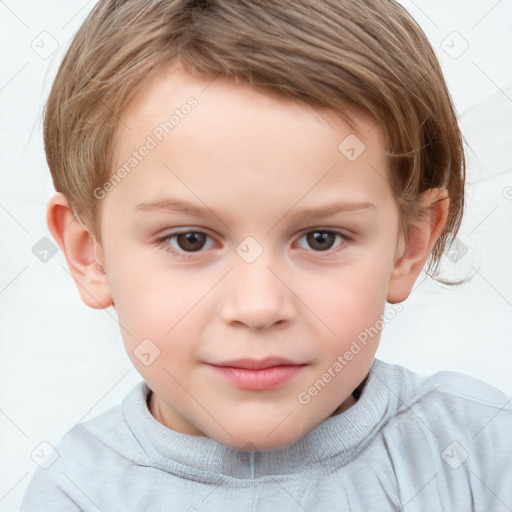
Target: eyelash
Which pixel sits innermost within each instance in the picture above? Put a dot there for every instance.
(164, 241)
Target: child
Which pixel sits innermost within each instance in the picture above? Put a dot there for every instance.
(311, 151)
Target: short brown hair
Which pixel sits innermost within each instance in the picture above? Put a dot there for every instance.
(349, 55)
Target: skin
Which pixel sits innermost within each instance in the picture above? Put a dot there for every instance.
(256, 161)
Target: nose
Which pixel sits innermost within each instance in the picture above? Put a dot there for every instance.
(257, 296)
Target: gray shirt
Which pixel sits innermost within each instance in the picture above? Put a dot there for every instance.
(441, 443)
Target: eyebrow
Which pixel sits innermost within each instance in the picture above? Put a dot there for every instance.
(172, 205)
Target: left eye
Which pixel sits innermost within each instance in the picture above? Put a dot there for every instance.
(322, 240)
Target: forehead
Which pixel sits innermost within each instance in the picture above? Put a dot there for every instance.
(224, 143)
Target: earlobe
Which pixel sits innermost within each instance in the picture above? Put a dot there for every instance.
(414, 247)
(82, 253)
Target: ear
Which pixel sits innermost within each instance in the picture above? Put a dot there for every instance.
(83, 253)
(415, 246)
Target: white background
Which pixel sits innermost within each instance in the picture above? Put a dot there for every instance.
(61, 362)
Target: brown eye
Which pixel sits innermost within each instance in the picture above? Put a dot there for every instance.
(186, 243)
(322, 240)
(191, 241)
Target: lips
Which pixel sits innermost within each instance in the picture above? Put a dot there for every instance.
(257, 374)
(257, 364)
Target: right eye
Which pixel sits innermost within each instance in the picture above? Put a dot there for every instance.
(183, 243)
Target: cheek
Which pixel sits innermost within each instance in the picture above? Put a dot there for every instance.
(352, 298)
(152, 310)
(149, 298)
(160, 319)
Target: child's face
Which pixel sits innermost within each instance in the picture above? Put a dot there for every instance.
(251, 283)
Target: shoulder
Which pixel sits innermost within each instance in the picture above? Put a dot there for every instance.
(441, 387)
(445, 408)
(456, 425)
(455, 397)
(107, 436)
(105, 439)
(469, 409)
